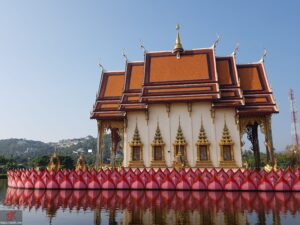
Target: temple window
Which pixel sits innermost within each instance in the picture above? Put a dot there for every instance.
(158, 155)
(203, 151)
(180, 156)
(203, 155)
(227, 152)
(136, 150)
(226, 148)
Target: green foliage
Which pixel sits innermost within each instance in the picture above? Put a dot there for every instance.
(66, 162)
(40, 162)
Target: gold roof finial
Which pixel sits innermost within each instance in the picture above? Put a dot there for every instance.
(178, 46)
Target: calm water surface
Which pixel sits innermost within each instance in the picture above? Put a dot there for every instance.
(151, 207)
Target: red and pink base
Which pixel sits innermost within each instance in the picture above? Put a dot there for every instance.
(167, 179)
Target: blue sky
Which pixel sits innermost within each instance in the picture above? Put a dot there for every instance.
(49, 51)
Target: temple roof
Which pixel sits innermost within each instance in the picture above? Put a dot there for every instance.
(256, 90)
(108, 98)
(133, 86)
(185, 76)
(192, 77)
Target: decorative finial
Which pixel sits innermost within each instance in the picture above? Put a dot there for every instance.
(237, 46)
(124, 55)
(216, 42)
(262, 59)
(143, 46)
(178, 46)
(81, 163)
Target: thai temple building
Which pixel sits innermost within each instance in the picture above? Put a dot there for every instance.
(184, 108)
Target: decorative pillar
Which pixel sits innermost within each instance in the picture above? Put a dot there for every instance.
(99, 153)
(115, 139)
(269, 140)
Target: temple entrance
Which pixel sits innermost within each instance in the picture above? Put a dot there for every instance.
(250, 127)
(114, 129)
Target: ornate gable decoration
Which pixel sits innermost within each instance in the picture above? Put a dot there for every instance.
(202, 138)
(136, 139)
(157, 137)
(179, 137)
(226, 137)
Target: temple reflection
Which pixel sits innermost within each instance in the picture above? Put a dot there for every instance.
(160, 207)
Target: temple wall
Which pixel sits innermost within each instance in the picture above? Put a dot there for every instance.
(190, 124)
(229, 116)
(202, 110)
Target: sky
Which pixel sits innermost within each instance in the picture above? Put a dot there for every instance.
(49, 51)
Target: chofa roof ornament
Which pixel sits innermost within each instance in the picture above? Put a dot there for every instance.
(216, 42)
(235, 50)
(262, 59)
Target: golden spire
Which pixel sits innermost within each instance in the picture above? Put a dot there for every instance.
(157, 137)
(136, 139)
(202, 138)
(179, 137)
(81, 165)
(54, 163)
(226, 138)
(178, 47)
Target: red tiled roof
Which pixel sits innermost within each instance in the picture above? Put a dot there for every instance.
(196, 76)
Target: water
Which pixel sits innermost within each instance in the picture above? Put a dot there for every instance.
(151, 207)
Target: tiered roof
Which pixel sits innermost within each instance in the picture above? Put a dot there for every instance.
(184, 76)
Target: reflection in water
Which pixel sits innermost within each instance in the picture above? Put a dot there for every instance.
(162, 207)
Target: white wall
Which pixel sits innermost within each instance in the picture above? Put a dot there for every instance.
(190, 124)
